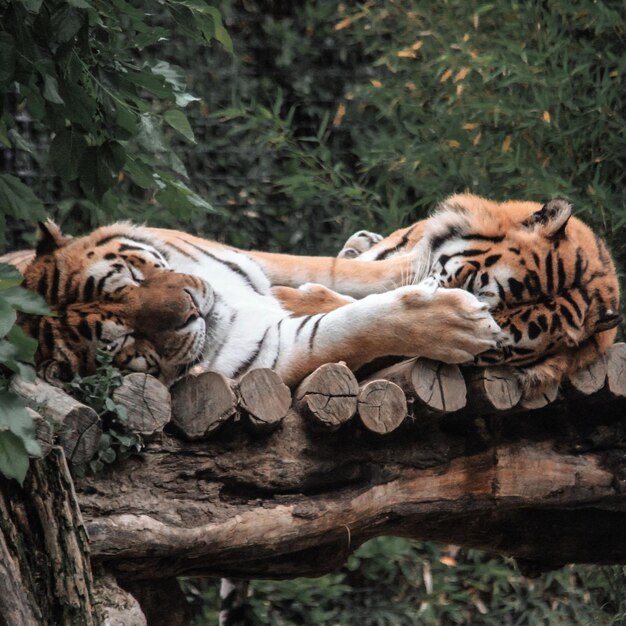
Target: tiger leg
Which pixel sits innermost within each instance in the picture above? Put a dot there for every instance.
(309, 299)
(448, 325)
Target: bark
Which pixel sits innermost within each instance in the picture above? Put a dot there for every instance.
(546, 486)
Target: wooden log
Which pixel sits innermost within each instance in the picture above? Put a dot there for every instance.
(328, 396)
(538, 401)
(147, 401)
(79, 426)
(591, 378)
(116, 606)
(264, 397)
(43, 432)
(492, 388)
(616, 370)
(201, 403)
(46, 572)
(381, 406)
(432, 386)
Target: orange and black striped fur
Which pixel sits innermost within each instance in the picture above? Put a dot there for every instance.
(160, 301)
(549, 281)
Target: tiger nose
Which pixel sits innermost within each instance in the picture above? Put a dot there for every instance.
(193, 311)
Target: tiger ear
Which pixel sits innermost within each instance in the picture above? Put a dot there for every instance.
(50, 238)
(551, 219)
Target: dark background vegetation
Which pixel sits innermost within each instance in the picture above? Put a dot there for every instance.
(327, 118)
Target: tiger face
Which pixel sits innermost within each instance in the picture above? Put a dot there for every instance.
(118, 296)
(548, 279)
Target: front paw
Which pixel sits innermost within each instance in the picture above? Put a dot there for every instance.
(358, 243)
(455, 326)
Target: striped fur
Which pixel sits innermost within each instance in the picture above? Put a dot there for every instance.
(161, 301)
(549, 281)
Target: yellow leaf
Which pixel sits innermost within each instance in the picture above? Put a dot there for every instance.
(469, 126)
(376, 83)
(462, 74)
(445, 76)
(614, 74)
(466, 37)
(546, 117)
(406, 54)
(417, 45)
(411, 87)
(341, 111)
(343, 24)
(448, 560)
(459, 90)
(476, 139)
(453, 143)
(506, 144)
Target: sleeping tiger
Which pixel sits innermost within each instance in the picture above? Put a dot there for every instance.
(549, 281)
(161, 301)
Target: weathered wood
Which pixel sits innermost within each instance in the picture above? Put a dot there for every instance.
(44, 432)
(432, 386)
(381, 406)
(201, 403)
(45, 551)
(492, 388)
(264, 397)
(616, 370)
(298, 502)
(591, 378)
(538, 401)
(114, 605)
(328, 396)
(79, 426)
(147, 402)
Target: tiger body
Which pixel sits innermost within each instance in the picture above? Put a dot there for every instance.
(167, 300)
(548, 279)
(161, 301)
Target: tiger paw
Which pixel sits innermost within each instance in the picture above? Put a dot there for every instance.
(358, 243)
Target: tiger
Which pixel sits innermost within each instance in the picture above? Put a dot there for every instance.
(547, 278)
(162, 301)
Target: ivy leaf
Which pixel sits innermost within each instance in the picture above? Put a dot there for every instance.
(18, 200)
(7, 54)
(8, 315)
(25, 301)
(66, 151)
(32, 5)
(177, 120)
(51, 90)
(9, 276)
(13, 456)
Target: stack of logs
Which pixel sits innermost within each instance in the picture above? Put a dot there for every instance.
(205, 401)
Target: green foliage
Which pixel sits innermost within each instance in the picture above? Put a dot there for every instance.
(117, 441)
(80, 70)
(17, 430)
(74, 68)
(396, 582)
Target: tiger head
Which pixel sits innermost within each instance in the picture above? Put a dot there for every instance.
(549, 279)
(113, 291)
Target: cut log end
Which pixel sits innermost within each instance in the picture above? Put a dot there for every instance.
(201, 403)
(264, 397)
(616, 370)
(328, 396)
(493, 388)
(439, 386)
(147, 403)
(591, 378)
(382, 406)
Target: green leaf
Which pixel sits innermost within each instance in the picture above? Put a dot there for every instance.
(66, 22)
(18, 200)
(7, 54)
(171, 74)
(95, 173)
(31, 5)
(79, 4)
(177, 120)
(9, 276)
(51, 90)
(140, 174)
(25, 301)
(13, 456)
(15, 418)
(66, 151)
(8, 315)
